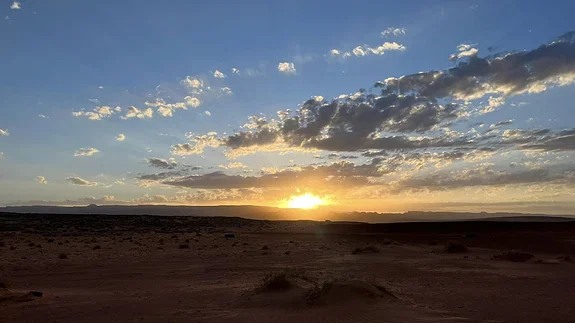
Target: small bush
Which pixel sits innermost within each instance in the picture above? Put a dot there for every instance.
(455, 247)
(63, 256)
(184, 246)
(368, 249)
(275, 282)
(96, 247)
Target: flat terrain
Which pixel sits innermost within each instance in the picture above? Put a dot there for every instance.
(97, 268)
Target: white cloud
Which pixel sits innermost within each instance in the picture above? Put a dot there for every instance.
(97, 113)
(197, 145)
(207, 113)
(235, 70)
(4, 132)
(86, 152)
(464, 50)
(42, 116)
(1, 155)
(219, 75)
(41, 180)
(168, 109)
(192, 101)
(15, 5)
(226, 91)
(334, 52)
(191, 82)
(287, 68)
(134, 112)
(393, 31)
(80, 181)
(364, 50)
(233, 165)
(120, 137)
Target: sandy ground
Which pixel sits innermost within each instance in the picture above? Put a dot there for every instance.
(199, 275)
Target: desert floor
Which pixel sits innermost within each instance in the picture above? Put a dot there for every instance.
(187, 270)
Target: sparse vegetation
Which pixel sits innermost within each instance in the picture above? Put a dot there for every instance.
(365, 250)
(280, 281)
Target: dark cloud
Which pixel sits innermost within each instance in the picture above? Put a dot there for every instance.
(410, 105)
(162, 163)
(485, 176)
(564, 140)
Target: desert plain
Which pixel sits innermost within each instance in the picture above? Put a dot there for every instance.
(123, 268)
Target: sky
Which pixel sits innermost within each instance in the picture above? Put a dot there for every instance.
(383, 106)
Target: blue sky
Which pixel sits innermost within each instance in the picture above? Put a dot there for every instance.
(71, 70)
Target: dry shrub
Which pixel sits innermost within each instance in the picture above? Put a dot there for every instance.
(365, 250)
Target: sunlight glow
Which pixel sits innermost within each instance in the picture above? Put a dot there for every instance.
(305, 201)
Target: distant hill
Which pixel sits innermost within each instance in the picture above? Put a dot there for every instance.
(272, 213)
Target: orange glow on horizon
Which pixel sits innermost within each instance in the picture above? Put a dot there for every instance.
(305, 201)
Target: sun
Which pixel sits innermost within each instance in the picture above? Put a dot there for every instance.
(305, 201)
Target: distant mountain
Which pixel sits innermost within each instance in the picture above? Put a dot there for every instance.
(272, 213)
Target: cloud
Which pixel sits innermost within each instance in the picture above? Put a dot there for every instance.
(162, 163)
(393, 31)
(463, 51)
(287, 68)
(4, 132)
(483, 175)
(97, 113)
(41, 180)
(233, 165)
(167, 109)
(219, 75)
(86, 152)
(226, 91)
(80, 181)
(410, 111)
(365, 50)
(120, 137)
(193, 84)
(562, 141)
(235, 71)
(15, 5)
(197, 144)
(134, 112)
(505, 75)
(192, 102)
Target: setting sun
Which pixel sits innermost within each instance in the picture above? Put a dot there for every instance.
(305, 201)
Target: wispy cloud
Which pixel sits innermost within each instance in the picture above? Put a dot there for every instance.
(86, 152)
(120, 137)
(16, 5)
(366, 50)
(4, 132)
(393, 31)
(134, 112)
(80, 181)
(97, 113)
